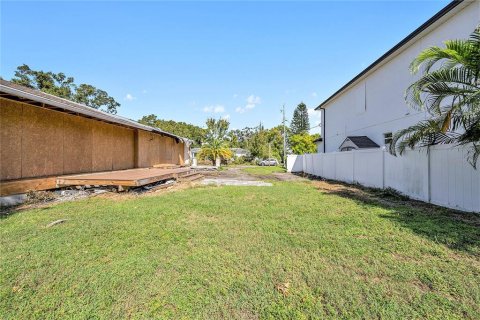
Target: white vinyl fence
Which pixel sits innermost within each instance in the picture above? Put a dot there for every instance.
(441, 176)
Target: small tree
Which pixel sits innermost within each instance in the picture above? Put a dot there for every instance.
(300, 122)
(216, 146)
(303, 143)
(258, 144)
(275, 139)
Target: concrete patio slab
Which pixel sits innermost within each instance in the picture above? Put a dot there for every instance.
(233, 182)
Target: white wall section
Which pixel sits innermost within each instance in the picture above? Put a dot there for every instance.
(375, 104)
(441, 176)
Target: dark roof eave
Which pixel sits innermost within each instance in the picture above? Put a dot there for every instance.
(48, 99)
(412, 35)
(362, 142)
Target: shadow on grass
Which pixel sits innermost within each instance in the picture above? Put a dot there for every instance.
(8, 211)
(455, 229)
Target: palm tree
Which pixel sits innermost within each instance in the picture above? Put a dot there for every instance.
(215, 146)
(449, 90)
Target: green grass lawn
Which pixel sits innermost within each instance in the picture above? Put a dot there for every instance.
(289, 251)
(259, 170)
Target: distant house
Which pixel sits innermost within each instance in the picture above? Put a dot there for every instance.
(357, 143)
(239, 152)
(194, 152)
(371, 106)
(318, 143)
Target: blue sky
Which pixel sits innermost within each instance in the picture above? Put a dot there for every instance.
(187, 61)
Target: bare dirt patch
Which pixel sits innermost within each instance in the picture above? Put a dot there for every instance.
(228, 173)
(44, 199)
(238, 173)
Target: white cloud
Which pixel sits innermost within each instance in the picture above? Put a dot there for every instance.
(314, 94)
(129, 97)
(226, 117)
(314, 115)
(214, 109)
(315, 120)
(252, 102)
(240, 110)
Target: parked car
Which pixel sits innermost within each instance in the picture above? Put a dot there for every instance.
(268, 162)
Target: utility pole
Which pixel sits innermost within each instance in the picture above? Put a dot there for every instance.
(284, 137)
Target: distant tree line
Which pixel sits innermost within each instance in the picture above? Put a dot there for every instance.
(58, 84)
(183, 129)
(260, 143)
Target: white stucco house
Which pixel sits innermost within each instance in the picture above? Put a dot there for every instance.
(369, 108)
(318, 143)
(358, 121)
(239, 152)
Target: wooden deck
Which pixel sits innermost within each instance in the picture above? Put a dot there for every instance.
(121, 178)
(24, 185)
(124, 178)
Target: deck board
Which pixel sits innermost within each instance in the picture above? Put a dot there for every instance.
(24, 185)
(127, 178)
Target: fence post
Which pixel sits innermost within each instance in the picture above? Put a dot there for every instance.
(353, 169)
(383, 169)
(429, 183)
(335, 166)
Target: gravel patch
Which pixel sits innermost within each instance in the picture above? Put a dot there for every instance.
(233, 182)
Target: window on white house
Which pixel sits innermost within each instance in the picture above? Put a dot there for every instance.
(388, 137)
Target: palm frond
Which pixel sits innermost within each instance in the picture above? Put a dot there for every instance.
(429, 57)
(455, 52)
(432, 89)
(449, 90)
(474, 155)
(422, 134)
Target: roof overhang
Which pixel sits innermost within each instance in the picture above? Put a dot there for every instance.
(358, 142)
(31, 95)
(444, 14)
